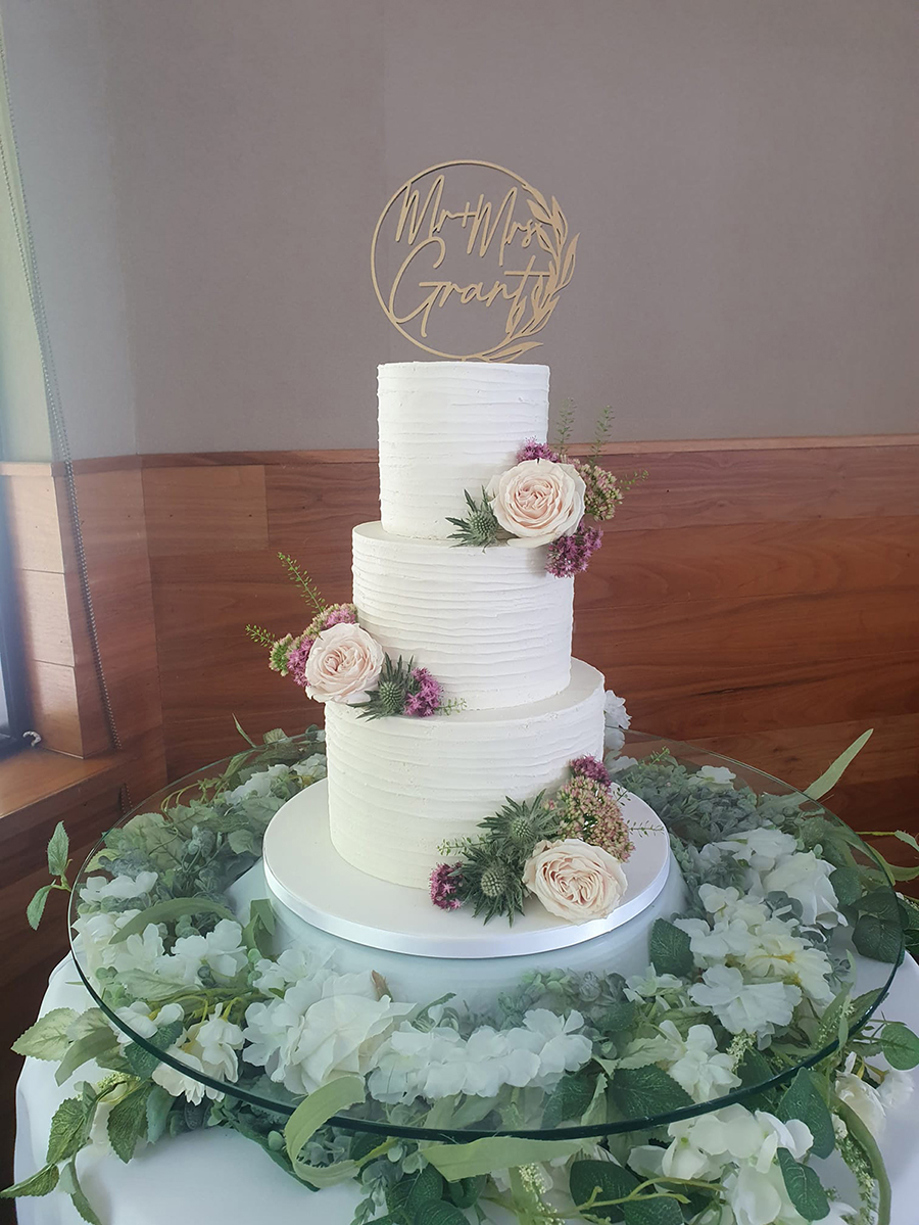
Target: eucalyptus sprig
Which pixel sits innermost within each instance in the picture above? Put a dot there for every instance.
(58, 862)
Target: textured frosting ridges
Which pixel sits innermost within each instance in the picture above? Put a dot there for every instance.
(450, 426)
(490, 624)
(399, 787)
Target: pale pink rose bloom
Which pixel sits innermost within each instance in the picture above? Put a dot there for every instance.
(344, 663)
(537, 501)
(574, 880)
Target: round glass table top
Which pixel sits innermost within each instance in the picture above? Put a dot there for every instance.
(778, 931)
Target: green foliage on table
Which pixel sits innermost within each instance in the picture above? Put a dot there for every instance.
(208, 832)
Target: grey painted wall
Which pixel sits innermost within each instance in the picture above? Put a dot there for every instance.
(205, 176)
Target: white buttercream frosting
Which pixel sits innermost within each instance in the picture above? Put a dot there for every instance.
(490, 624)
(400, 786)
(446, 427)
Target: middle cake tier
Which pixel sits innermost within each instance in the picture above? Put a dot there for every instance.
(490, 624)
(399, 786)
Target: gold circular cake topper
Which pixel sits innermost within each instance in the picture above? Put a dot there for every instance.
(473, 252)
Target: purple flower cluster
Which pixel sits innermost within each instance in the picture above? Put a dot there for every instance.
(569, 555)
(297, 656)
(425, 695)
(591, 767)
(445, 879)
(532, 449)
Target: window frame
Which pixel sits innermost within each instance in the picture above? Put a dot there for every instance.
(14, 703)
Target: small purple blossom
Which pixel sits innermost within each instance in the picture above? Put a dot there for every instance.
(445, 879)
(570, 554)
(297, 656)
(590, 767)
(532, 449)
(425, 696)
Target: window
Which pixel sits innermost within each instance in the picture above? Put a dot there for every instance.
(13, 705)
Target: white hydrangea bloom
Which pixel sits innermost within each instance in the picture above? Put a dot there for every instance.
(440, 1063)
(730, 904)
(778, 953)
(896, 1089)
(806, 878)
(616, 719)
(142, 951)
(645, 986)
(321, 1028)
(744, 1007)
(760, 848)
(94, 934)
(718, 776)
(209, 1048)
(616, 765)
(694, 1061)
(701, 1069)
(290, 967)
(861, 1097)
(614, 711)
(98, 888)
(142, 1020)
(221, 950)
(312, 769)
(259, 785)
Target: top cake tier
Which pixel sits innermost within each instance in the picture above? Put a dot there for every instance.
(446, 427)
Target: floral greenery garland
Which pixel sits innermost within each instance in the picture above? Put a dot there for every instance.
(167, 956)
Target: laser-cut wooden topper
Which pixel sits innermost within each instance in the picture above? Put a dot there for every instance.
(444, 266)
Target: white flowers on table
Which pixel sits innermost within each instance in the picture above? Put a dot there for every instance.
(737, 1148)
(761, 848)
(259, 784)
(616, 721)
(210, 1048)
(325, 1026)
(574, 880)
(863, 1098)
(439, 1062)
(701, 1069)
(221, 950)
(344, 664)
(537, 501)
(745, 1007)
(806, 878)
(98, 888)
(715, 776)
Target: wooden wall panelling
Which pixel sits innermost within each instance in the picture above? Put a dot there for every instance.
(114, 529)
(757, 598)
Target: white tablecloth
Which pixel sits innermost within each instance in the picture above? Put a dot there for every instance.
(218, 1176)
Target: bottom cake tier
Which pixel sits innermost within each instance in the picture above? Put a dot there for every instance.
(399, 787)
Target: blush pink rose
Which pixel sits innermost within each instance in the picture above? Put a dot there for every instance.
(537, 501)
(344, 663)
(575, 880)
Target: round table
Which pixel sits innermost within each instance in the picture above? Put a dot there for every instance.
(215, 1175)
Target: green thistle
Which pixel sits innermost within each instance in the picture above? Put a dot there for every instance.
(480, 528)
(514, 830)
(391, 692)
(492, 885)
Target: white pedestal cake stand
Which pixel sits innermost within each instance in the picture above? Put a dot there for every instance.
(308, 877)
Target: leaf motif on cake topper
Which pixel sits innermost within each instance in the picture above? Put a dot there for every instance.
(432, 221)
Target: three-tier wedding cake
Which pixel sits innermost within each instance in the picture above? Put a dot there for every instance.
(491, 624)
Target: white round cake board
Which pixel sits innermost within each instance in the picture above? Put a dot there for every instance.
(308, 876)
